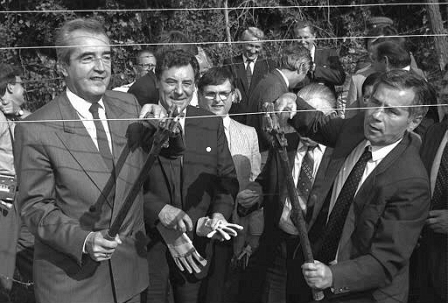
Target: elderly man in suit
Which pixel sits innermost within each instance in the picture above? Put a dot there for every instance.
(65, 166)
(216, 91)
(181, 191)
(248, 69)
(326, 67)
(308, 160)
(371, 205)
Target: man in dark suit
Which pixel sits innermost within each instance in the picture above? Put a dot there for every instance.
(64, 165)
(326, 67)
(431, 255)
(180, 191)
(268, 271)
(248, 69)
(371, 205)
(294, 64)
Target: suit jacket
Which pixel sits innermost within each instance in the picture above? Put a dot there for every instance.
(386, 215)
(235, 65)
(328, 70)
(145, 89)
(432, 252)
(61, 175)
(208, 182)
(268, 89)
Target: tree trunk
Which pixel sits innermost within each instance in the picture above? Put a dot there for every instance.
(226, 17)
(437, 28)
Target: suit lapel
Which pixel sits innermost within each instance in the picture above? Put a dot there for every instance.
(429, 150)
(241, 72)
(80, 145)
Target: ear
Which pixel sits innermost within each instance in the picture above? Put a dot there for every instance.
(415, 121)
(62, 67)
(9, 88)
(299, 66)
(386, 62)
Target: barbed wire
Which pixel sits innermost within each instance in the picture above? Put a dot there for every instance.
(136, 10)
(131, 44)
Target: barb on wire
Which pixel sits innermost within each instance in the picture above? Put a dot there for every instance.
(26, 284)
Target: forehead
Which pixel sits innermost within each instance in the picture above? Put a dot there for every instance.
(392, 96)
(304, 31)
(86, 41)
(184, 72)
(147, 57)
(249, 39)
(219, 87)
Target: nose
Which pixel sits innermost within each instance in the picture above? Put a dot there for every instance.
(377, 112)
(178, 89)
(99, 65)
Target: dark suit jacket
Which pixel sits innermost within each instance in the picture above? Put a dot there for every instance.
(432, 252)
(145, 89)
(61, 176)
(387, 213)
(328, 71)
(268, 89)
(236, 66)
(208, 183)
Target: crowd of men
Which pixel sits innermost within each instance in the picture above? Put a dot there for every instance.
(213, 220)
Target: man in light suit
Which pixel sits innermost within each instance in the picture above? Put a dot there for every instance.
(372, 204)
(179, 192)
(65, 165)
(216, 91)
(248, 69)
(326, 67)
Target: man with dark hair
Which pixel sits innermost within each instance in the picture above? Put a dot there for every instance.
(371, 205)
(293, 67)
(216, 91)
(73, 180)
(248, 69)
(389, 55)
(326, 67)
(179, 192)
(12, 92)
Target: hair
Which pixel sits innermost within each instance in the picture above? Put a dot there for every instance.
(63, 35)
(176, 58)
(402, 79)
(304, 23)
(254, 32)
(171, 39)
(370, 81)
(141, 52)
(398, 57)
(295, 54)
(381, 34)
(319, 96)
(8, 74)
(215, 76)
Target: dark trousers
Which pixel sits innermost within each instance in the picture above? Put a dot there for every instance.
(166, 283)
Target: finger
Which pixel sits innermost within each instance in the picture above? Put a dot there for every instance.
(188, 223)
(234, 226)
(223, 234)
(435, 213)
(211, 234)
(118, 240)
(309, 266)
(176, 260)
(430, 221)
(186, 265)
(193, 264)
(228, 231)
(181, 226)
(199, 258)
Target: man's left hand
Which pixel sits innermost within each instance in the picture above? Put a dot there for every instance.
(152, 111)
(438, 221)
(317, 275)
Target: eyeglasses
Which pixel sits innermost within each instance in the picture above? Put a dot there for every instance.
(147, 66)
(221, 95)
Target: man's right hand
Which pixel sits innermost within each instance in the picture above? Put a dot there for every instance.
(99, 248)
(175, 218)
(152, 111)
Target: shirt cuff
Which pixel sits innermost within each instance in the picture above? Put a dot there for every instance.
(84, 245)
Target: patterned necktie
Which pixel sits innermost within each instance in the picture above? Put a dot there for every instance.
(249, 71)
(439, 197)
(103, 143)
(306, 179)
(332, 233)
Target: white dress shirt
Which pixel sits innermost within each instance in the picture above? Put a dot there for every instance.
(284, 77)
(82, 109)
(251, 64)
(285, 222)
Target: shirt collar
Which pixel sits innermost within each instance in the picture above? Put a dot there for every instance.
(380, 152)
(81, 106)
(226, 121)
(245, 59)
(303, 147)
(408, 68)
(284, 77)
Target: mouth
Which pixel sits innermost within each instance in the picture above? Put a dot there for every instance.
(374, 129)
(97, 79)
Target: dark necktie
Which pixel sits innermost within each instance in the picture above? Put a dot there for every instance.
(328, 245)
(249, 71)
(306, 179)
(103, 143)
(439, 197)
